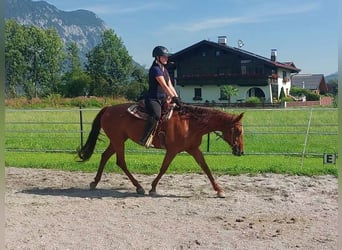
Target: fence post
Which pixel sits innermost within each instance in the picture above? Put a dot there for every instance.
(81, 125)
(208, 142)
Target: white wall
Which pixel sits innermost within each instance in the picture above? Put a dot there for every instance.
(285, 85)
(212, 93)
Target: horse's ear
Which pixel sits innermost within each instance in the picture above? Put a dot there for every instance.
(239, 117)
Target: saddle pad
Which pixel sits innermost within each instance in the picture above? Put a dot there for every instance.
(137, 111)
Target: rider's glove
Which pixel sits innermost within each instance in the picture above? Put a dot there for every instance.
(177, 101)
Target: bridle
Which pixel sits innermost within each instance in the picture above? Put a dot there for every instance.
(235, 146)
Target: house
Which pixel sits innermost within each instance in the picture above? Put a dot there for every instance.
(200, 71)
(314, 82)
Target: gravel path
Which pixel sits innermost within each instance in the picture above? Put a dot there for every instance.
(48, 209)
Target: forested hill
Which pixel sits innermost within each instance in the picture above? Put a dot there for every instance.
(80, 26)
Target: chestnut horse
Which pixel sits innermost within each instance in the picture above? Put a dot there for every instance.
(182, 132)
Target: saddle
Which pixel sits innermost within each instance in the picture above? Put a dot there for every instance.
(139, 111)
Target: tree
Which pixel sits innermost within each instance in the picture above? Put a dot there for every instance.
(282, 93)
(138, 85)
(228, 91)
(15, 63)
(53, 56)
(73, 61)
(109, 66)
(333, 86)
(33, 58)
(76, 82)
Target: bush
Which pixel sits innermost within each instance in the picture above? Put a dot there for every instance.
(295, 91)
(287, 99)
(253, 100)
(312, 97)
(87, 102)
(53, 101)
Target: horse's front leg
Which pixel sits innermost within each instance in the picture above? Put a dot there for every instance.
(104, 158)
(198, 155)
(169, 156)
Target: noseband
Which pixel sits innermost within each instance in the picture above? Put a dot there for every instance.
(235, 146)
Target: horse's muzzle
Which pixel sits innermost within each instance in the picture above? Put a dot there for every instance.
(237, 151)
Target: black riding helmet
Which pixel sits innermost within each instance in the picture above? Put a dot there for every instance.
(160, 51)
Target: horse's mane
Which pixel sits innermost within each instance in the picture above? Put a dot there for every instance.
(204, 113)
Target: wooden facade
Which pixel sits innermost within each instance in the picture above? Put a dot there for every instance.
(209, 65)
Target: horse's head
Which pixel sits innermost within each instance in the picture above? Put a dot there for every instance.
(234, 135)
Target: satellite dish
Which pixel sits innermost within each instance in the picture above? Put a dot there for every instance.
(240, 43)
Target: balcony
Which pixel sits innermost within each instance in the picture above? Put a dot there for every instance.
(286, 79)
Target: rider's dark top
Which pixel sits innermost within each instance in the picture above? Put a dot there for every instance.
(155, 91)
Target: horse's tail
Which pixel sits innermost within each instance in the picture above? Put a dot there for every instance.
(86, 151)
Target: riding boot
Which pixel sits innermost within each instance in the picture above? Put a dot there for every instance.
(149, 127)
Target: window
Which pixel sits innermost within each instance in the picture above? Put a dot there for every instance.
(203, 53)
(243, 69)
(197, 94)
(245, 66)
(218, 53)
(284, 74)
(285, 78)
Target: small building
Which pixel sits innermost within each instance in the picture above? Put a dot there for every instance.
(199, 72)
(313, 82)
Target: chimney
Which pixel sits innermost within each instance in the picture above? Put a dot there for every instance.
(222, 40)
(273, 55)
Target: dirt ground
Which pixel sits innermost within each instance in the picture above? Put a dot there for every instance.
(48, 209)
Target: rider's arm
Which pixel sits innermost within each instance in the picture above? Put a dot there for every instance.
(172, 88)
(168, 88)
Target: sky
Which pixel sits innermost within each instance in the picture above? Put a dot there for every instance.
(303, 32)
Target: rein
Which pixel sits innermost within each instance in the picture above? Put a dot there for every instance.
(219, 136)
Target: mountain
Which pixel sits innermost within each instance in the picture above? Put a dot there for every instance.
(330, 77)
(81, 26)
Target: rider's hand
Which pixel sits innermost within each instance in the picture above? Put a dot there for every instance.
(177, 101)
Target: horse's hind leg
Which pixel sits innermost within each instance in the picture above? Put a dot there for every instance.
(104, 158)
(120, 161)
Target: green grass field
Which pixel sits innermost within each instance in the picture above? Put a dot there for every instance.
(274, 142)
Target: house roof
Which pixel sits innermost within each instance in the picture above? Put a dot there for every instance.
(285, 65)
(310, 81)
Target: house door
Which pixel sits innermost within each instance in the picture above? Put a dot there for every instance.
(256, 92)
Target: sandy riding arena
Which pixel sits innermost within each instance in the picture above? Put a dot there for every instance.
(47, 209)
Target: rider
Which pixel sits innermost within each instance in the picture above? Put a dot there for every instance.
(160, 90)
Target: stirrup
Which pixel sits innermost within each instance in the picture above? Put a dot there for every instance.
(148, 143)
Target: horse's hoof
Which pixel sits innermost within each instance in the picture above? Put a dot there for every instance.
(152, 193)
(221, 194)
(92, 185)
(141, 191)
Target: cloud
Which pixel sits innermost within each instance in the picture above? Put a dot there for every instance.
(112, 8)
(213, 23)
(264, 14)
